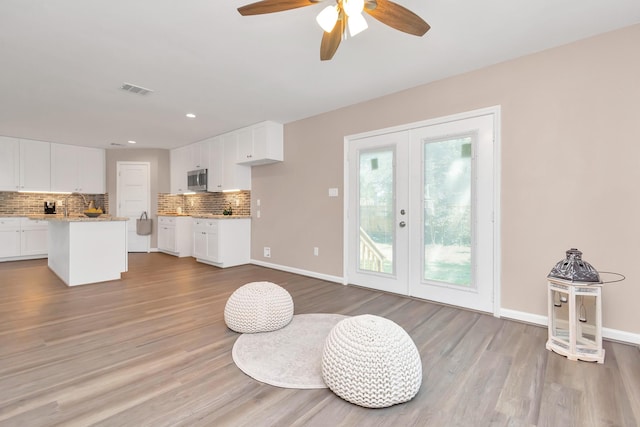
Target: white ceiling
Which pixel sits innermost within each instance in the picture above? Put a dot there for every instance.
(63, 62)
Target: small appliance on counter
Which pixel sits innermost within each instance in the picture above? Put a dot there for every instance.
(50, 207)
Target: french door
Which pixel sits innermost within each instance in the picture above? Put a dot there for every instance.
(421, 211)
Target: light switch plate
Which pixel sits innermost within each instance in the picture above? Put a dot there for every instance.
(333, 192)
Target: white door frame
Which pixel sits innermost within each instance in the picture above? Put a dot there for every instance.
(497, 259)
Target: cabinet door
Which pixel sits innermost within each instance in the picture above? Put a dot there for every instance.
(245, 145)
(200, 244)
(35, 165)
(178, 167)
(213, 251)
(198, 155)
(33, 241)
(64, 169)
(91, 170)
(260, 144)
(216, 165)
(236, 177)
(167, 237)
(9, 237)
(9, 164)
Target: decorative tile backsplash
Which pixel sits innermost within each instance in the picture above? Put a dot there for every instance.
(13, 203)
(206, 203)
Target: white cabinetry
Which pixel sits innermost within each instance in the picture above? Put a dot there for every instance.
(224, 173)
(25, 165)
(184, 159)
(222, 242)
(22, 238)
(198, 155)
(260, 144)
(179, 158)
(77, 169)
(174, 235)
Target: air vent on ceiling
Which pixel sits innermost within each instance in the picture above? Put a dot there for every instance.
(135, 89)
(116, 144)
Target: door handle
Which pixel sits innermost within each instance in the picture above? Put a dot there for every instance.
(402, 224)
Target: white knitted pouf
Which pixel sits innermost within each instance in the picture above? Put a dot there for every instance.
(372, 362)
(258, 307)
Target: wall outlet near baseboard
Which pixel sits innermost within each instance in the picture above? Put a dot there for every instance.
(267, 252)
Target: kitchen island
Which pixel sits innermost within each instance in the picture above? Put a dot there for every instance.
(86, 250)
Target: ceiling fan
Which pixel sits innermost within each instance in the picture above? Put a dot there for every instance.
(345, 14)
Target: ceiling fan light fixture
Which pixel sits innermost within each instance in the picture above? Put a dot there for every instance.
(327, 18)
(353, 7)
(357, 24)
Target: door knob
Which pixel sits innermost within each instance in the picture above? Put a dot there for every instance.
(402, 224)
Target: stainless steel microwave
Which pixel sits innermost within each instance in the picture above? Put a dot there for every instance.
(197, 180)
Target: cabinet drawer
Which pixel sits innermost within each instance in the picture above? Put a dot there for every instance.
(10, 223)
(33, 224)
(166, 220)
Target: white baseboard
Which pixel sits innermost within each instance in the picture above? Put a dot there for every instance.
(535, 319)
(313, 274)
(607, 333)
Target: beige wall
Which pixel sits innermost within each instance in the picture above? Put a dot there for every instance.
(570, 165)
(159, 174)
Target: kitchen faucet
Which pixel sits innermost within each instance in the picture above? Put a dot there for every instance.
(66, 202)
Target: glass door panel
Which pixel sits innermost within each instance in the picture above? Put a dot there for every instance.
(376, 183)
(447, 211)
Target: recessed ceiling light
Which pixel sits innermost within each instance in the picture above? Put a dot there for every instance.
(131, 142)
(191, 115)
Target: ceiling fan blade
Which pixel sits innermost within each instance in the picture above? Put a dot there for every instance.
(270, 6)
(398, 17)
(331, 41)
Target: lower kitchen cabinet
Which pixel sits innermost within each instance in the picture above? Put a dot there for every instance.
(22, 238)
(174, 235)
(222, 242)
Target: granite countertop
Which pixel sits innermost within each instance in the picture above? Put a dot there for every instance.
(210, 216)
(76, 218)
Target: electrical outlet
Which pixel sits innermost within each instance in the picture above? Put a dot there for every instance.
(316, 251)
(267, 252)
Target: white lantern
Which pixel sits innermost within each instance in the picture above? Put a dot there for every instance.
(575, 319)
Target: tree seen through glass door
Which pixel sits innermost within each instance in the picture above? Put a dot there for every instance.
(447, 211)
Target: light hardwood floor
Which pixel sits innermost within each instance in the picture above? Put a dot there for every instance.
(152, 349)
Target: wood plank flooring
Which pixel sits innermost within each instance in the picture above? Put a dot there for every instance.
(152, 349)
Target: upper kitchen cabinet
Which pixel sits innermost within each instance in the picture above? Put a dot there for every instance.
(198, 155)
(224, 173)
(260, 144)
(179, 165)
(77, 169)
(25, 165)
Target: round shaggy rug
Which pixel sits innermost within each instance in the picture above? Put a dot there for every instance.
(290, 357)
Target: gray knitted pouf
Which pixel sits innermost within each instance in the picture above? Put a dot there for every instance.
(372, 362)
(258, 307)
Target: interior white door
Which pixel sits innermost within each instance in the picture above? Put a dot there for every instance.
(420, 210)
(134, 199)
